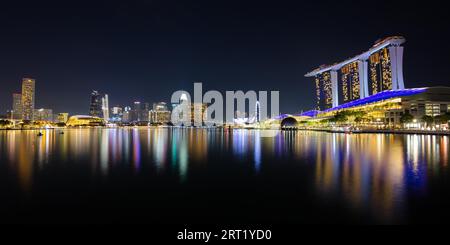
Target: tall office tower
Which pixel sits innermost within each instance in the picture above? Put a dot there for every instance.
(116, 114)
(145, 112)
(96, 104)
(28, 91)
(126, 114)
(136, 113)
(105, 107)
(17, 106)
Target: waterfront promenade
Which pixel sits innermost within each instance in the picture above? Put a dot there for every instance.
(381, 131)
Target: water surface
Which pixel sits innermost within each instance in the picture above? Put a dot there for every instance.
(164, 175)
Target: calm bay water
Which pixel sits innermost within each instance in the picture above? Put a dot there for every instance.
(164, 175)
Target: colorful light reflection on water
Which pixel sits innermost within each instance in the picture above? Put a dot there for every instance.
(373, 175)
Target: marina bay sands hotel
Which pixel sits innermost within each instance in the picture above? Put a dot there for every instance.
(374, 71)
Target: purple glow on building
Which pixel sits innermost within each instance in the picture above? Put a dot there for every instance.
(389, 94)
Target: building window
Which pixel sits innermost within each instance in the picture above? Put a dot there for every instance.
(432, 110)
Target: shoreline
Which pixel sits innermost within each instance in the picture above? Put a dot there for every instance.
(361, 131)
(381, 131)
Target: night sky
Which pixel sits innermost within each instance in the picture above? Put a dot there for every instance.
(145, 50)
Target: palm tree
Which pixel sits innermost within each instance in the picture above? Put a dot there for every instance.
(442, 119)
(406, 118)
(428, 120)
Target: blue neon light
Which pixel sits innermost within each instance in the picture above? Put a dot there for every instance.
(379, 97)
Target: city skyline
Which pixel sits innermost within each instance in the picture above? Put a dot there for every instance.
(254, 47)
(249, 112)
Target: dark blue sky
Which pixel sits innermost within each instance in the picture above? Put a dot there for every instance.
(145, 50)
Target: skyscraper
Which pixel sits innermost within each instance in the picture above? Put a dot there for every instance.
(145, 112)
(126, 117)
(116, 114)
(378, 69)
(28, 90)
(137, 112)
(105, 107)
(17, 106)
(160, 113)
(96, 104)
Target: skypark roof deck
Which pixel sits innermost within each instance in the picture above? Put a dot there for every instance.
(394, 40)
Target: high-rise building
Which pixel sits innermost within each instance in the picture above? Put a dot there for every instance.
(28, 92)
(136, 113)
(160, 106)
(105, 107)
(116, 110)
(43, 114)
(17, 106)
(145, 112)
(63, 117)
(116, 114)
(376, 70)
(96, 104)
(127, 114)
(160, 113)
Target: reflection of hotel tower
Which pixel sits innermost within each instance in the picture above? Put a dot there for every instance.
(376, 70)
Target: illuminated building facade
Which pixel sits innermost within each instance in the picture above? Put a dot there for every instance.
(62, 117)
(198, 112)
(376, 70)
(43, 115)
(136, 113)
(105, 107)
(99, 105)
(191, 113)
(126, 116)
(324, 90)
(160, 114)
(387, 107)
(96, 109)
(17, 106)
(116, 114)
(85, 121)
(351, 85)
(145, 113)
(28, 92)
(380, 71)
